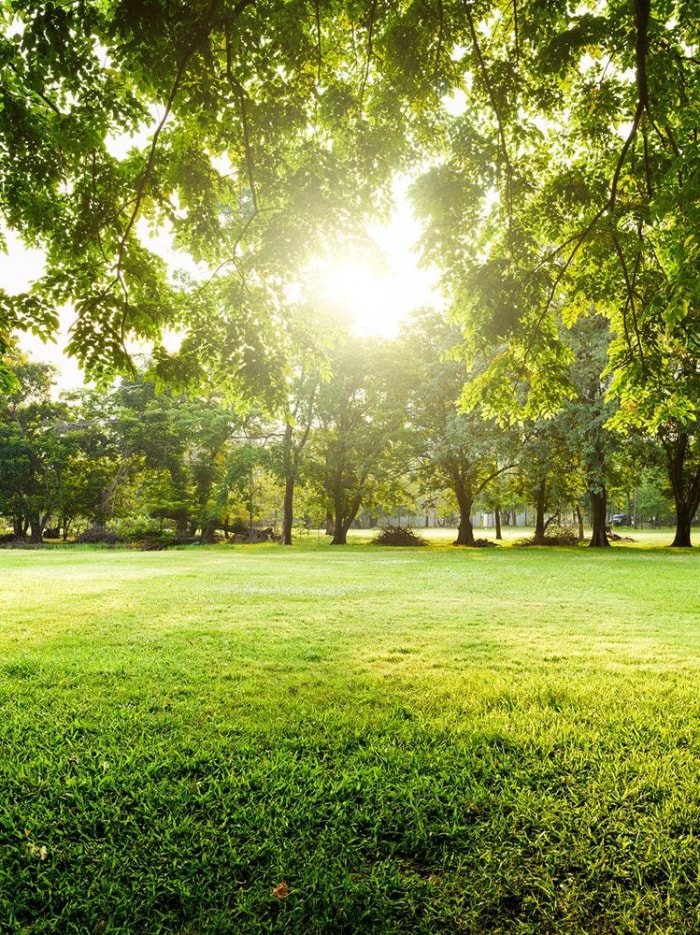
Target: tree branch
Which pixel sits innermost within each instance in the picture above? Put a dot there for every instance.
(630, 303)
(369, 52)
(494, 105)
(240, 91)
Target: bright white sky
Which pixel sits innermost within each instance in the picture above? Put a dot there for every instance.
(374, 291)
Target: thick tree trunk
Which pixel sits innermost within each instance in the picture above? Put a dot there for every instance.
(345, 513)
(36, 528)
(465, 532)
(686, 488)
(599, 509)
(682, 539)
(340, 536)
(465, 501)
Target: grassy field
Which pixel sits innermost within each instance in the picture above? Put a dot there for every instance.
(424, 740)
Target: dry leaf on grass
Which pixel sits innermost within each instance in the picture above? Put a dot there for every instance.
(281, 891)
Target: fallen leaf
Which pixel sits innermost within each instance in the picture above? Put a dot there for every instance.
(281, 891)
(33, 850)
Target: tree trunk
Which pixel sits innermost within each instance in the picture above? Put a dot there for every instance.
(685, 486)
(682, 540)
(345, 513)
(499, 534)
(465, 532)
(540, 500)
(36, 527)
(340, 530)
(289, 480)
(465, 501)
(579, 520)
(599, 509)
(288, 510)
(340, 536)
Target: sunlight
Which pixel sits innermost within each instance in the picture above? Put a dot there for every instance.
(374, 300)
(376, 285)
(372, 283)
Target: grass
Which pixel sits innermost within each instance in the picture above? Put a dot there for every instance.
(419, 740)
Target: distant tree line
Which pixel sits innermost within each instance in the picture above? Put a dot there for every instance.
(364, 427)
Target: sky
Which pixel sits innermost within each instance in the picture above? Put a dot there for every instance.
(19, 267)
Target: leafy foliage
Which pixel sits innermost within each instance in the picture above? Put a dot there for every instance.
(398, 535)
(251, 134)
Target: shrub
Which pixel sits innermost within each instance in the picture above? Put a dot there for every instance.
(97, 534)
(252, 534)
(398, 535)
(555, 535)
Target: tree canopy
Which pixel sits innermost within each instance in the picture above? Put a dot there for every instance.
(249, 131)
(553, 148)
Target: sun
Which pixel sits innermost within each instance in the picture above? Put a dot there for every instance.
(377, 285)
(367, 297)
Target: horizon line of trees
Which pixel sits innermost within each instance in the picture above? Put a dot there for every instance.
(365, 426)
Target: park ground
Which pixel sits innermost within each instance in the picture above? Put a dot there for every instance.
(253, 739)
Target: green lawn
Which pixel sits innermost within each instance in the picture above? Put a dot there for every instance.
(422, 740)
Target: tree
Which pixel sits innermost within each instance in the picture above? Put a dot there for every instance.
(150, 427)
(570, 180)
(461, 451)
(548, 472)
(98, 464)
(587, 416)
(32, 452)
(360, 416)
(310, 338)
(187, 439)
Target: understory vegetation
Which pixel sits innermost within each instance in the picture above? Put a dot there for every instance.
(252, 739)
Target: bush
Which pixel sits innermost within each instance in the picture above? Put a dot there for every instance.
(252, 534)
(97, 534)
(398, 535)
(555, 535)
(154, 539)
